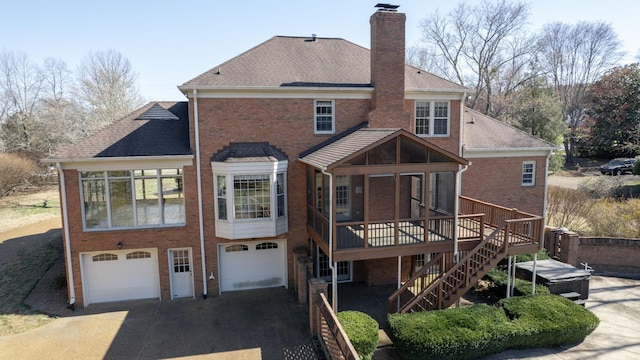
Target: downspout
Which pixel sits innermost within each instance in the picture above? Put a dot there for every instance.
(456, 211)
(334, 275)
(67, 235)
(199, 180)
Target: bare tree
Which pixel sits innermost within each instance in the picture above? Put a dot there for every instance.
(106, 86)
(484, 47)
(573, 57)
(21, 83)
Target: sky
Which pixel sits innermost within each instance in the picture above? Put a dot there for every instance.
(171, 42)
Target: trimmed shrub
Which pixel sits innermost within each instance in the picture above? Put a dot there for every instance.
(362, 331)
(549, 320)
(15, 171)
(463, 333)
(481, 330)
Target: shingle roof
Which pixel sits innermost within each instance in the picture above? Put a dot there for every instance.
(297, 61)
(135, 136)
(484, 132)
(249, 151)
(347, 144)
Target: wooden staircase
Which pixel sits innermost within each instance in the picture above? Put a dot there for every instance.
(433, 288)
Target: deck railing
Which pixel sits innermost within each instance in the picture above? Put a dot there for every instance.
(431, 289)
(477, 219)
(333, 339)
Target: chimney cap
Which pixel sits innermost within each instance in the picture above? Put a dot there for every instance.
(387, 7)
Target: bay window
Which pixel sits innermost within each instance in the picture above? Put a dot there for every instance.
(250, 202)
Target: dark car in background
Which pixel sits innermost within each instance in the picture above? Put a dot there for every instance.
(618, 166)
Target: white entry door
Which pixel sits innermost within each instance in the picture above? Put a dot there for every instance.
(181, 273)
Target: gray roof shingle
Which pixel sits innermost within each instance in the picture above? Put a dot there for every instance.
(345, 145)
(284, 61)
(249, 152)
(484, 132)
(165, 134)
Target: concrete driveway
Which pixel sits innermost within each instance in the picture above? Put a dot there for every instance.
(258, 324)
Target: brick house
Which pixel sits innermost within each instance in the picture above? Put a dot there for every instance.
(314, 143)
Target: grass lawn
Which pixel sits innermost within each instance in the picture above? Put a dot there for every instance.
(22, 209)
(19, 274)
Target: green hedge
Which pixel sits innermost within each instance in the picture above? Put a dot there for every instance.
(549, 320)
(481, 330)
(362, 331)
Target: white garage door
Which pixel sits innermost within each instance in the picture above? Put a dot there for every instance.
(252, 265)
(120, 275)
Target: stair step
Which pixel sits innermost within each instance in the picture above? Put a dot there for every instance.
(580, 302)
(571, 295)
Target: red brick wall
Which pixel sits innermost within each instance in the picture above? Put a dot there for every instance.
(499, 181)
(450, 143)
(285, 123)
(387, 70)
(161, 239)
(383, 271)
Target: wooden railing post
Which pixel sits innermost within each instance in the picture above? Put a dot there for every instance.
(316, 286)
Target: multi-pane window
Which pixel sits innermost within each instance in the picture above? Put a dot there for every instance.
(280, 186)
(132, 198)
(222, 197)
(252, 196)
(324, 117)
(528, 173)
(432, 118)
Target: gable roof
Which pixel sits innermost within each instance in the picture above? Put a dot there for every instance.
(284, 61)
(155, 129)
(345, 145)
(482, 132)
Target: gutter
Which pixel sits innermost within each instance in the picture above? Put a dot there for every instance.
(199, 180)
(67, 239)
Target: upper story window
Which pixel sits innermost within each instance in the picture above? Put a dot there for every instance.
(528, 173)
(251, 200)
(132, 198)
(432, 118)
(324, 118)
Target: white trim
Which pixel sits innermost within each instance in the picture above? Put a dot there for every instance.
(533, 173)
(233, 228)
(431, 95)
(171, 272)
(199, 183)
(316, 115)
(282, 93)
(67, 236)
(131, 178)
(432, 118)
(497, 153)
(127, 163)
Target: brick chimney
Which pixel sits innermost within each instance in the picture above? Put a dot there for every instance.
(387, 69)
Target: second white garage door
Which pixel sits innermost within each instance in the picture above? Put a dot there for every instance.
(252, 265)
(120, 275)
